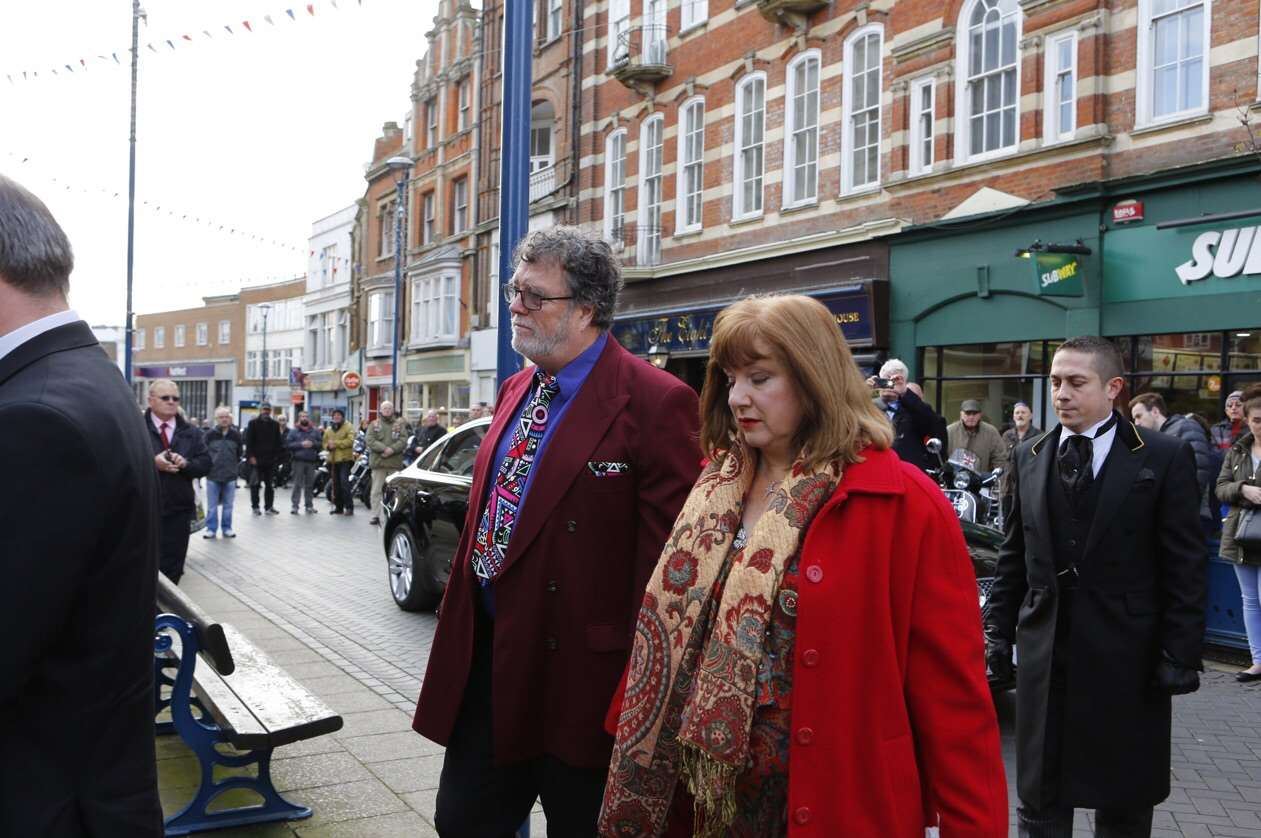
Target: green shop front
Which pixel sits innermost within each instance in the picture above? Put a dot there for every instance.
(1168, 266)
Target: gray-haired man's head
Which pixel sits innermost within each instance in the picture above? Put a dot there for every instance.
(591, 270)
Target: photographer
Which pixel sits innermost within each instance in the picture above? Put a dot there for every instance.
(913, 419)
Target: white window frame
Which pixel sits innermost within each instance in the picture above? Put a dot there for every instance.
(793, 125)
(683, 223)
(159, 337)
(429, 228)
(555, 19)
(385, 214)
(202, 333)
(619, 23)
(225, 331)
(1145, 82)
(918, 164)
(137, 339)
(651, 173)
(251, 366)
(431, 122)
(692, 13)
(459, 200)
(180, 335)
(380, 319)
(462, 92)
(435, 313)
(848, 187)
(963, 122)
(739, 211)
(615, 196)
(1052, 130)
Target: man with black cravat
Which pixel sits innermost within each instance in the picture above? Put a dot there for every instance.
(1102, 575)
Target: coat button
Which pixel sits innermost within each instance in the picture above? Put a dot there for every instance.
(552, 645)
(572, 526)
(814, 573)
(552, 587)
(805, 736)
(802, 815)
(1072, 542)
(810, 657)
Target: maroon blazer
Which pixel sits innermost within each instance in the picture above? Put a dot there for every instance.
(577, 565)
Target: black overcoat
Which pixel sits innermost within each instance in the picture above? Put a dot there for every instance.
(78, 555)
(1141, 589)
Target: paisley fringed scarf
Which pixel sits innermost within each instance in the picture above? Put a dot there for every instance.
(699, 640)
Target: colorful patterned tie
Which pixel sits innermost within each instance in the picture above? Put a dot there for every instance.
(503, 507)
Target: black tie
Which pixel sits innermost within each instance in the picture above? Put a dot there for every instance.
(1076, 460)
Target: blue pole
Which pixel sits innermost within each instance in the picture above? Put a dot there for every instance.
(129, 326)
(514, 163)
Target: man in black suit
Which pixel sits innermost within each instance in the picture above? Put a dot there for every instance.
(1102, 579)
(181, 456)
(78, 517)
(263, 447)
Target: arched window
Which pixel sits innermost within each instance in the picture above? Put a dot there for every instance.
(989, 78)
(860, 141)
(750, 133)
(689, 192)
(801, 130)
(648, 232)
(615, 187)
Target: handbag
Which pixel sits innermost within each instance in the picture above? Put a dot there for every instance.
(1248, 530)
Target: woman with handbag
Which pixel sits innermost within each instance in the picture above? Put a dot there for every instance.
(807, 659)
(1239, 484)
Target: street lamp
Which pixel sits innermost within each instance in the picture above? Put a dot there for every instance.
(400, 166)
(264, 308)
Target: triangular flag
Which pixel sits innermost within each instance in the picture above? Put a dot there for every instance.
(246, 24)
(206, 32)
(10, 79)
(84, 63)
(115, 57)
(229, 28)
(269, 20)
(290, 13)
(334, 2)
(171, 45)
(151, 47)
(310, 7)
(186, 37)
(54, 69)
(68, 67)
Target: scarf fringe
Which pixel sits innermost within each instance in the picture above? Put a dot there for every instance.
(713, 787)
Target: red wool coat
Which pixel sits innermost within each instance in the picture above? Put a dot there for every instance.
(893, 723)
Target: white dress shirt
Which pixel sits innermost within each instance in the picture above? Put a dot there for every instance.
(1100, 446)
(34, 329)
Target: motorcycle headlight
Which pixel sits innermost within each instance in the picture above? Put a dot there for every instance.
(962, 480)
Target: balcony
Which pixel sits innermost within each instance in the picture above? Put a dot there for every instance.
(641, 56)
(790, 12)
(640, 244)
(547, 180)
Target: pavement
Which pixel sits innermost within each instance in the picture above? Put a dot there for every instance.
(312, 591)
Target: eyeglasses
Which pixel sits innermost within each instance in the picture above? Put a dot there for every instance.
(532, 300)
(169, 398)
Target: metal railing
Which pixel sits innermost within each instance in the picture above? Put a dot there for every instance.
(643, 45)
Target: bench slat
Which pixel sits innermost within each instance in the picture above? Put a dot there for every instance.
(241, 727)
(210, 635)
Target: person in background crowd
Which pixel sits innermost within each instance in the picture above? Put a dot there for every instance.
(180, 455)
(913, 419)
(1022, 427)
(339, 441)
(804, 539)
(1239, 486)
(1149, 411)
(1224, 433)
(386, 438)
(972, 433)
(1102, 575)
(303, 443)
(430, 431)
(78, 555)
(225, 446)
(263, 447)
(574, 490)
(194, 422)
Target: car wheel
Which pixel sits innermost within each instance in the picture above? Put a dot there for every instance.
(412, 582)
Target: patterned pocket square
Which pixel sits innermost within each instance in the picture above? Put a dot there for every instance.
(601, 468)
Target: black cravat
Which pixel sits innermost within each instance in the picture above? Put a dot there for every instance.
(1076, 460)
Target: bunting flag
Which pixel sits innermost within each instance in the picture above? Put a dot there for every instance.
(247, 26)
(290, 13)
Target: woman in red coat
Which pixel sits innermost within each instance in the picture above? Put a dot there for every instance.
(808, 657)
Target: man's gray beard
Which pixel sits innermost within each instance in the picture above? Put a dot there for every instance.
(534, 346)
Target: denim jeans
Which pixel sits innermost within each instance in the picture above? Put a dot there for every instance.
(219, 492)
(1248, 575)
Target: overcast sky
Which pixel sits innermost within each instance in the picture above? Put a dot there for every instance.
(260, 132)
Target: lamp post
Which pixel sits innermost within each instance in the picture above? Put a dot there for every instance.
(129, 327)
(514, 165)
(264, 308)
(400, 166)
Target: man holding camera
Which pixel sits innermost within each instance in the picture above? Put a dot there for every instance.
(180, 455)
(913, 419)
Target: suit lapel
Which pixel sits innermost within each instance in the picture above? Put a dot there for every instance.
(70, 336)
(1121, 467)
(569, 448)
(1036, 477)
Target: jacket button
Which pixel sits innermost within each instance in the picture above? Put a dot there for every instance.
(805, 736)
(572, 526)
(810, 657)
(814, 573)
(802, 815)
(552, 645)
(1072, 542)
(552, 587)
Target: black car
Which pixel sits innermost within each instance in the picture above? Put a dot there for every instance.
(423, 508)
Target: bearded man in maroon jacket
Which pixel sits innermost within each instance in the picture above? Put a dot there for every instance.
(575, 489)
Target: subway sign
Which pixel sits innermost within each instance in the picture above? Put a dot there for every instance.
(1057, 274)
(1223, 254)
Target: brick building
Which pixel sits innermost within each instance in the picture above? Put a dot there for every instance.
(201, 349)
(273, 350)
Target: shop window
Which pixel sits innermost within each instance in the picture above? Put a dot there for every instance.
(1059, 116)
(691, 185)
(648, 234)
(989, 78)
(996, 374)
(1172, 80)
(614, 186)
(923, 112)
(750, 128)
(860, 152)
(801, 139)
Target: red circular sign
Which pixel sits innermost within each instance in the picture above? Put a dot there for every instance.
(351, 380)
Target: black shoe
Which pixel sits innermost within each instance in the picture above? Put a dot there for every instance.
(257, 511)
(1246, 676)
(375, 522)
(293, 511)
(334, 512)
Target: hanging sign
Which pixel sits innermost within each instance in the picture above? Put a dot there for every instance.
(1057, 274)
(351, 380)
(1126, 211)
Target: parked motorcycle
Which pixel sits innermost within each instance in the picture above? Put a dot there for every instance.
(321, 484)
(409, 453)
(361, 472)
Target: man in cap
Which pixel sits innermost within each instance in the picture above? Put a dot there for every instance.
(972, 433)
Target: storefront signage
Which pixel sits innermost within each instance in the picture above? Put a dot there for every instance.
(323, 382)
(295, 377)
(1223, 254)
(687, 333)
(297, 398)
(1127, 211)
(189, 371)
(381, 370)
(351, 380)
(1057, 274)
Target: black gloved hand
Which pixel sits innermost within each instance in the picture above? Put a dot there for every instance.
(998, 665)
(1172, 678)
